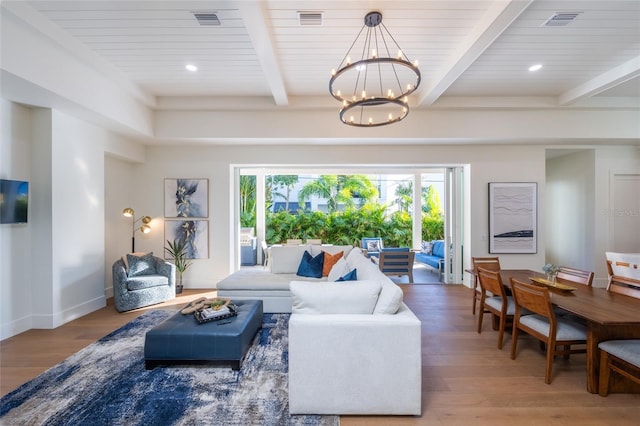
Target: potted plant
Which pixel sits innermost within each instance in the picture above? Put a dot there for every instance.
(178, 252)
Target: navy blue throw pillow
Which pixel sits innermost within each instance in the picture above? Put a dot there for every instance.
(311, 266)
(350, 276)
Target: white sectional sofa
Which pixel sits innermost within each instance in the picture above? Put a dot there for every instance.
(354, 347)
(272, 285)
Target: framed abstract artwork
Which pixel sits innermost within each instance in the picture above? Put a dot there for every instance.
(194, 232)
(513, 217)
(186, 198)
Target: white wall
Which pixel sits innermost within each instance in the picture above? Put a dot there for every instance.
(16, 261)
(570, 231)
(504, 163)
(53, 268)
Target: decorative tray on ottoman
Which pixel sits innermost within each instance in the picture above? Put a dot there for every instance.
(210, 314)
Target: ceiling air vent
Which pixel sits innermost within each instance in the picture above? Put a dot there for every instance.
(561, 19)
(207, 18)
(309, 18)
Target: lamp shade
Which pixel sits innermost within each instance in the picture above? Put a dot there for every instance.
(128, 212)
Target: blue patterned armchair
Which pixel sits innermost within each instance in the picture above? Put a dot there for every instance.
(143, 281)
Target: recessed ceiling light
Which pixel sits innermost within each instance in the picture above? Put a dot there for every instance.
(535, 67)
(191, 67)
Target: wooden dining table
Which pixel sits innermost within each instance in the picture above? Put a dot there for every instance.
(608, 316)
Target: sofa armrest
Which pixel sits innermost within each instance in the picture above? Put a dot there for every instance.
(355, 364)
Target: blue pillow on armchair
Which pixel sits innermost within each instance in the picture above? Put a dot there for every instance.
(141, 265)
(311, 266)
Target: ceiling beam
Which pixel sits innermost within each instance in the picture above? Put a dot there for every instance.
(255, 20)
(497, 19)
(605, 81)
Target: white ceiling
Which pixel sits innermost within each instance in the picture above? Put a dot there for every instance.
(464, 48)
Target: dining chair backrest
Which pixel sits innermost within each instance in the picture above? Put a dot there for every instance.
(314, 241)
(491, 263)
(293, 242)
(623, 285)
(574, 275)
(397, 262)
(491, 281)
(533, 298)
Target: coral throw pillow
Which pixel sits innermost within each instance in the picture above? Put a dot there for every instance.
(329, 261)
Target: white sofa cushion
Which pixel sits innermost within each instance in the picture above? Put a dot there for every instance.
(315, 249)
(339, 269)
(353, 297)
(391, 294)
(286, 259)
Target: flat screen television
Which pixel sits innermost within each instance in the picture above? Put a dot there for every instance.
(14, 201)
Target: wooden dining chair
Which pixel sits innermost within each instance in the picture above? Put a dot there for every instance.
(491, 263)
(498, 304)
(575, 276)
(567, 275)
(293, 242)
(620, 356)
(624, 285)
(543, 324)
(314, 241)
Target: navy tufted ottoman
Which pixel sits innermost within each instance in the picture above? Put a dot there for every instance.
(180, 339)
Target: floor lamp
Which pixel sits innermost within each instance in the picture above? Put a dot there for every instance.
(145, 228)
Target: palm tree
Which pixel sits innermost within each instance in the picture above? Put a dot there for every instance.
(286, 182)
(431, 202)
(247, 201)
(339, 189)
(404, 196)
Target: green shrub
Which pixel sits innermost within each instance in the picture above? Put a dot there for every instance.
(350, 226)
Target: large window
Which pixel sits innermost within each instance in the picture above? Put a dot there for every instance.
(343, 206)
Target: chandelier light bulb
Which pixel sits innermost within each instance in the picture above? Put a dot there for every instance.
(415, 63)
(390, 117)
(370, 120)
(364, 94)
(348, 60)
(333, 71)
(374, 54)
(399, 54)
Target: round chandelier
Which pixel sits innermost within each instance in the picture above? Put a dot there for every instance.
(374, 90)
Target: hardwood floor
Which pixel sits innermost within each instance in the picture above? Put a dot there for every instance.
(466, 380)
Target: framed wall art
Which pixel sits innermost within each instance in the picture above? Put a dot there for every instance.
(194, 232)
(186, 198)
(513, 217)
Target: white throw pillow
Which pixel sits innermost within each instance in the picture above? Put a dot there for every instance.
(390, 298)
(391, 294)
(339, 269)
(352, 297)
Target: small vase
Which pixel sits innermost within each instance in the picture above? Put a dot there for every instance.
(551, 278)
(179, 285)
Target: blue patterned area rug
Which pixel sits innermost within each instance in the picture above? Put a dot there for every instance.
(106, 384)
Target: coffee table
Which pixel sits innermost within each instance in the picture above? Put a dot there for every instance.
(182, 340)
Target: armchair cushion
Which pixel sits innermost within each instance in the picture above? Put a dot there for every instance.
(141, 265)
(146, 281)
(325, 298)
